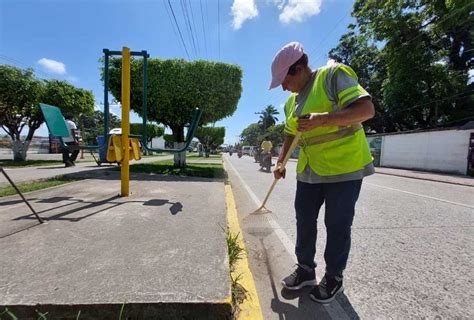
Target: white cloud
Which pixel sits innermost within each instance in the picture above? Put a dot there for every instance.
(243, 10)
(330, 62)
(299, 10)
(52, 66)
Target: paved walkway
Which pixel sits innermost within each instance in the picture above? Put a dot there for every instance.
(161, 251)
(430, 176)
(45, 172)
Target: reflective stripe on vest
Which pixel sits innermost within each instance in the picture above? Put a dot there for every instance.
(330, 150)
(344, 132)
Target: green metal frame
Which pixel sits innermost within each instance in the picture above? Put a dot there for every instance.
(57, 127)
(196, 114)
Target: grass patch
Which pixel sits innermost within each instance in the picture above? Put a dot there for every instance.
(211, 156)
(238, 292)
(28, 163)
(35, 163)
(157, 155)
(34, 185)
(205, 170)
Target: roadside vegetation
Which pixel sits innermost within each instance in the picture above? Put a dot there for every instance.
(34, 186)
(34, 163)
(28, 163)
(211, 156)
(239, 293)
(204, 170)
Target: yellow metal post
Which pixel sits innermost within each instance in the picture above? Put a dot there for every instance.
(125, 169)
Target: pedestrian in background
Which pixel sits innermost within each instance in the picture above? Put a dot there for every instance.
(70, 156)
(328, 106)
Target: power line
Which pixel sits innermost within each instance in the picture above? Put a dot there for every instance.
(218, 28)
(343, 17)
(188, 24)
(172, 25)
(177, 26)
(203, 29)
(401, 45)
(194, 25)
(421, 33)
(24, 66)
(459, 95)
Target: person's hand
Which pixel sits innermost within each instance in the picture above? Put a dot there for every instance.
(311, 121)
(279, 171)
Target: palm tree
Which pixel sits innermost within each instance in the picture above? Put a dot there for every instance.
(267, 116)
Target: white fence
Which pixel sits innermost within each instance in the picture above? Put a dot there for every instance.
(443, 151)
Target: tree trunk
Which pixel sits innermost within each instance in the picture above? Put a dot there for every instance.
(201, 150)
(179, 158)
(19, 149)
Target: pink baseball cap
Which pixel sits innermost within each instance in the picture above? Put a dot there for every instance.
(283, 60)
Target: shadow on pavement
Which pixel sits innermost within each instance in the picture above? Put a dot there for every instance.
(87, 209)
(306, 309)
(174, 209)
(12, 202)
(102, 174)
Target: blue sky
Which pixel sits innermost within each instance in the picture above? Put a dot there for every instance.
(63, 39)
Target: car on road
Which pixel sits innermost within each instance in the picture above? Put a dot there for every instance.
(247, 150)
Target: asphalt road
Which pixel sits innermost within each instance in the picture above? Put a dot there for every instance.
(411, 256)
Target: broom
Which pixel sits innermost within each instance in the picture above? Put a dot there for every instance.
(262, 209)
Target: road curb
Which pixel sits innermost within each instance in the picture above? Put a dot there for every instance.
(422, 178)
(250, 308)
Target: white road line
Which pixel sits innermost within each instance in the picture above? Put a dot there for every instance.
(421, 195)
(334, 310)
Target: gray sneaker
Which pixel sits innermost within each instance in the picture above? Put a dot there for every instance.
(327, 289)
(300, 278)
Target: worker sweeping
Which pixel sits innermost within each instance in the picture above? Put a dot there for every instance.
(325, 112)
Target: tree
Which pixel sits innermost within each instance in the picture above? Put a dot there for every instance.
(152, 130)
(20, 93)
(92, 125)
(368, 63)
(73, 101)
(252, 135)
(268, 116)
(210, 137)
(69, 99)
(169, 140)
(176, 87)
(414, 56)
(275, 134)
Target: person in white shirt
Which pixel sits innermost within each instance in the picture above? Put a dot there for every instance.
(70, 157)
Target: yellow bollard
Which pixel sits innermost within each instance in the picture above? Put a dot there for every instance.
(125, 169)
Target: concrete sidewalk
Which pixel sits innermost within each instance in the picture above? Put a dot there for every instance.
(429, 176)
(88, 169)
(161, 252)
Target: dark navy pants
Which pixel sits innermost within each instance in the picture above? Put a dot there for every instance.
(339, 199)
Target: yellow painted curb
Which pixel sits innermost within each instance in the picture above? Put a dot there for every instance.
(250, 308)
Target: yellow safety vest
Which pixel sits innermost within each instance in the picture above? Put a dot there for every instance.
(344, 155)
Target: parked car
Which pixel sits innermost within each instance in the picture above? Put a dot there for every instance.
(247, 150)
(115, 131)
